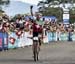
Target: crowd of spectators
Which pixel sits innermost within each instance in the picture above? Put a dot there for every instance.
(21, 23)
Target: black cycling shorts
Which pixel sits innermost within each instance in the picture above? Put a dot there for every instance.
(35, 34)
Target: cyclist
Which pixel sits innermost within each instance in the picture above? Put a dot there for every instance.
(40, 22)
(37, 31)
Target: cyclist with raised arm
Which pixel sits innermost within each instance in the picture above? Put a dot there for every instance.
(37, 28)
(37, 32)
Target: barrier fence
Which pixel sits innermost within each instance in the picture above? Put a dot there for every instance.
(11, 40)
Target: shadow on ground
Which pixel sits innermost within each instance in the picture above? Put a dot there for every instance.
(18, 61)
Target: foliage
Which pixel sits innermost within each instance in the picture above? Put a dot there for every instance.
(72, 18)
(72, 15)
(2, 2)
(55, 11)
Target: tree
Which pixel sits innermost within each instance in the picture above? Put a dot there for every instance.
(41, 5)
(51, 10)
(72, 15)
(53, 2)
(3, 2)
(47, 10)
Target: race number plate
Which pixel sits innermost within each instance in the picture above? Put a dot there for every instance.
(35, 38)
